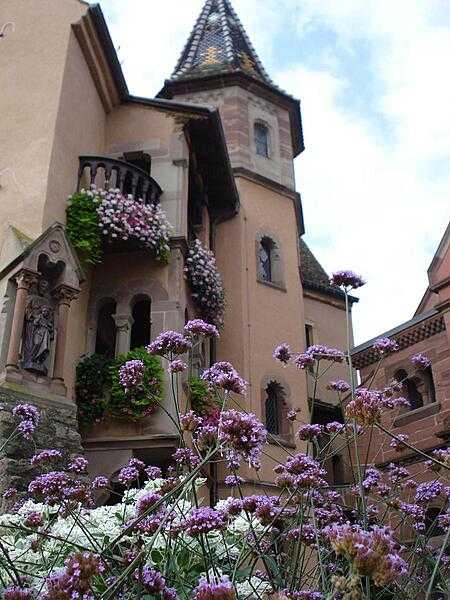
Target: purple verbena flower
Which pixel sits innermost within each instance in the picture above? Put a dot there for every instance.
(17, 593)
(224, 375)
(187, 457)
(303, 361)
(241, 436)
(169, 343)
(421, 361)
(217, 589)
(79, 464)
(100, 482)
(339, 385)
(347, 279)
(234, 480)
(320, 351)
(283, 353)
(200, 327)
(385, 346)
(309, 432)
(204, 520)
(177, 366)
(45, 456)
(131, 374)
(397, 443)
(127, 475)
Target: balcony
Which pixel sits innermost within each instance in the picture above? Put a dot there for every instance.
(111, 173)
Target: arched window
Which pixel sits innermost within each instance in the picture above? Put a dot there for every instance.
(266, 259)
(261, 132)
(274, 408)
(141, 328)
(410, 388)
(105, 342)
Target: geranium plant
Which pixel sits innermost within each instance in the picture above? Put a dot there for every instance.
(95, 216)
(308, 540)
(205, 283)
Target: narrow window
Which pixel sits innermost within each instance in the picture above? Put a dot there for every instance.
(274, 408)
(309, 335)
(105, 342)
(262, 140)
(410, 389)
(141, 328)
(266, 256)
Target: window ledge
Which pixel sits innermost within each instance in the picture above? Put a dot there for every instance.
(276, 286)
(417, 414)
(274, 439)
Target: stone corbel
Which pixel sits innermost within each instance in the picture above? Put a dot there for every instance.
(64, 295)
(25, 278)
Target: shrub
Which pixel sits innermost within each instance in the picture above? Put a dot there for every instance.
(100, 394)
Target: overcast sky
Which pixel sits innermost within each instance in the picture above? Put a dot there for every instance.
(373, 78)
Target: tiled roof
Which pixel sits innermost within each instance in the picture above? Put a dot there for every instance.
(219, 44)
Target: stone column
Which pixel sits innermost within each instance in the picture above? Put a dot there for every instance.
(64, 295)
(24, 279)
(124, 323)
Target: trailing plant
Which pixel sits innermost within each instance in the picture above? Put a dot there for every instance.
(92, 382)
(96, 216)
(200, 398)
(307, 540)
(100, 389)
(83, 226)
(205, 283)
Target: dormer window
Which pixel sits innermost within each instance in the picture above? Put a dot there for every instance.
(262, 139)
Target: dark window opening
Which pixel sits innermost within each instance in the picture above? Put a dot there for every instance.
(105, 342)
(274, 408)
(410, 389)
(141, 328)
(262, 140)
(309, 335)
(141, 160)
(266, 251)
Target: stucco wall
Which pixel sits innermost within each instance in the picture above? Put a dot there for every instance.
(259, 316)
(32, 67)
(326, 316)
(139, 128)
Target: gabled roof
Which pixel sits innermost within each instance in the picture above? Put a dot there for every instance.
(314, 277)
(433, 279)
(218, 43)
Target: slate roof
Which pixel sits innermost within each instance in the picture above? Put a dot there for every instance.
(219, 44)
(314, 277)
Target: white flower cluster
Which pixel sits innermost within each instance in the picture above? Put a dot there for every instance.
(37, 550)
(123, 218)
(206, 283)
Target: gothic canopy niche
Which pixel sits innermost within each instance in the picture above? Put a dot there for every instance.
(36, 290)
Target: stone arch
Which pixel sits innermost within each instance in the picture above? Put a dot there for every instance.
(275, 404)
(269, 259)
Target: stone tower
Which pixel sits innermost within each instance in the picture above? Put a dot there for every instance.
(257, 251)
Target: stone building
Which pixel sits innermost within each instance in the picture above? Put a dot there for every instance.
(427, 422)
(215, 149)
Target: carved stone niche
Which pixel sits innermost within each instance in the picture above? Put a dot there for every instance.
(36, 290)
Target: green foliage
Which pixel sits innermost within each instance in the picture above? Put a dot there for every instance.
(83, 227)
(142, 401)
(200, 398)
(92, 377)
(99, 393)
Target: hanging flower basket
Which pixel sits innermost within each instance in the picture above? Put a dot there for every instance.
(101, 219)
(206, 284)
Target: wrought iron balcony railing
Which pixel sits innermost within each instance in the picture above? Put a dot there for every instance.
(111, 173)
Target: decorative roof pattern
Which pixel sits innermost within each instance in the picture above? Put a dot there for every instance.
(407, 334)
(219, 44)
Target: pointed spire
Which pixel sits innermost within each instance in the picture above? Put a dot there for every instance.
(218, 44)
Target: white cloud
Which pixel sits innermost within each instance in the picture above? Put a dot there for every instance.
(375, 204)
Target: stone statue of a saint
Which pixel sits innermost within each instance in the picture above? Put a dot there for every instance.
(38, 330)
